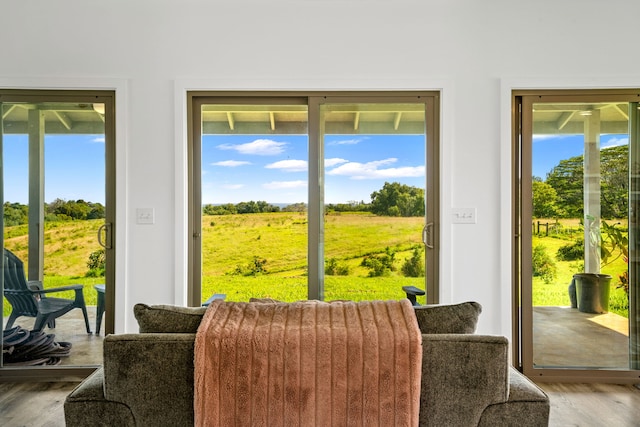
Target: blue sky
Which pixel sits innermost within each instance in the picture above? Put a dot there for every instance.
(548, 150)
(274, 168)
(74, 168)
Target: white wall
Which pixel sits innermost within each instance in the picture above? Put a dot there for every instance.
(475, 51)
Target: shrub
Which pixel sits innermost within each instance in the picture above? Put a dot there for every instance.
(414, 266)
(543, 265)
(252, 268)
(571, 252)
(380, 265)
(334, 268)
(97, 263)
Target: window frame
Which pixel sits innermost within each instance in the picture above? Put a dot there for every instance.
(106, 96)
(521, 235)
(312, 99)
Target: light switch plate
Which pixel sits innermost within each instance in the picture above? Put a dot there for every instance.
(145, 216)
(464, 215)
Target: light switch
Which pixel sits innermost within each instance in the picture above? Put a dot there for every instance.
(464, 215)
(145, 216)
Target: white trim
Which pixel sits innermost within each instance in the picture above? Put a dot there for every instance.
(507, 86)
(121, 90)
(182, 86)
(181, 182)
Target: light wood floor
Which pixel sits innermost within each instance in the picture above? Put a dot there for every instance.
(584, 405)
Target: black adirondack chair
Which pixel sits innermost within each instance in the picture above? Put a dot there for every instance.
(31, 300)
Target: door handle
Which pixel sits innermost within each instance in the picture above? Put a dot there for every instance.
(106, 228)
(427, 235)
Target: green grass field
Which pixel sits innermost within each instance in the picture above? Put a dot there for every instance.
(231, 242)
(555, 293)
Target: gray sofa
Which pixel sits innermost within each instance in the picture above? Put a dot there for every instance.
(147, 378)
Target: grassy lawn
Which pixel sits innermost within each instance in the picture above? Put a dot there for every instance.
(238, 288)
(232, 242)
(555, 292)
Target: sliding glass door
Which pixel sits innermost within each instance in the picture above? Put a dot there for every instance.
(578, 234)
(58, 223)
(375, 156)
(300, 196)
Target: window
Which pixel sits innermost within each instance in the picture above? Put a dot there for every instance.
(313, 195)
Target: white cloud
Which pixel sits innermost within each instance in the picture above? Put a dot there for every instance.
(231, 163)
(615, 142)
(232, 186)
(348, 141)
(289, 165)
(373, 170)
(335, 161)
(278, 185)
(259, 147)
(540, 137)
(99, 139)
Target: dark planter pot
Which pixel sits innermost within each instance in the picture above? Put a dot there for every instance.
(592, 292)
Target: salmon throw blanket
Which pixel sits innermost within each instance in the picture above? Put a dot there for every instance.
(308, 363)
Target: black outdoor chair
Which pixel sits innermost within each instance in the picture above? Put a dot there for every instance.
(412, 292)
(30, 299)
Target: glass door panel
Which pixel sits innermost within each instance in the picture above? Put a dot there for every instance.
(374, 199)
(282, 187)
(254, 201)
(54, 187)
(576, 252)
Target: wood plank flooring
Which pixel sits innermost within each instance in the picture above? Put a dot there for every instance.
(584, 405)
(593, 405)
(33, 404)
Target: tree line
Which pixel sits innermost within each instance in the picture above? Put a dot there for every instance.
(561, 194)
(393, 199)
(58, 210)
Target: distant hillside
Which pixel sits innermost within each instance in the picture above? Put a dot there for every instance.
(67, 245)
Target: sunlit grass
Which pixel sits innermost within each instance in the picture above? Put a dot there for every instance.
(291, 289)
(556, 292)
(281, 238)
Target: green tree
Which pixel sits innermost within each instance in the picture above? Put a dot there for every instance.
(544, 200)
(395, 199)
(96, 211)
(615, 181)
(226, 209)
(255, 207)
(567, 178)
(73, 209)
(295, 207)
(15, 214)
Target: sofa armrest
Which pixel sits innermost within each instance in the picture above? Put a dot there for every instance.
(462, 374)
(153, 375)
(87, 406)
(528, 405)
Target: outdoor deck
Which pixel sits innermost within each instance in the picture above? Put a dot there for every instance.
(86, 348)
(565, 337)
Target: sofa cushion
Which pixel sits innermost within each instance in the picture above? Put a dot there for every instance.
(168, 318)
(459, 318)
